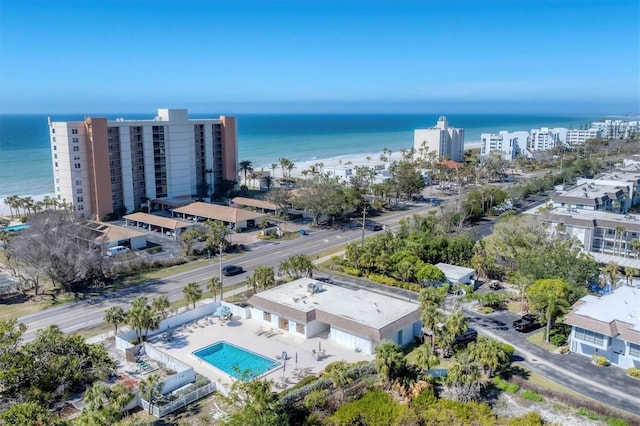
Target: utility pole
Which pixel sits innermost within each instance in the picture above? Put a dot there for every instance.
(221, 287)
(364, 221)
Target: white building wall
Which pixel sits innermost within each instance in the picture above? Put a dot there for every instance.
(617, 352)
(351, 341)
(316, 327)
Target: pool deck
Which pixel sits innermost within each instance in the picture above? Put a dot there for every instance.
(258, 337)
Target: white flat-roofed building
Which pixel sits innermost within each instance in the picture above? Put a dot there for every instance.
(444, 140)
(357, 319)
(545, 139)
(617, 129)
(608, 326)
(507, 144)
(105, 166)
(578, 137)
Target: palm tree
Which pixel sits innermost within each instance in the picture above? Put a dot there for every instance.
(120, 396)
(148, 388)
(389, 360)
(212, 286)
(426, 358)
(619, 234)
(274, 166)
(115, 316)
(611, 271)
(549, 296)
(268, 181)
(284, 164)
(192, 293)
(339, 378)
(161, 305)
(464, 379)
(488, 353)
(246, 167)
(97, 396)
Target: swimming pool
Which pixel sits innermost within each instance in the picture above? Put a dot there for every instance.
(15, 228)
(236, 361)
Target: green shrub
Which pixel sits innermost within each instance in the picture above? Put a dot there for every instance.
(600, 360)
(382, 279)
(505, 386)
(376, 407)
(508, 349)
(614, 421)
(303, 382)
(532, 396)
(316, 399)
(634, 372)
(486, 310)
(530, 419)
(154, 249)
(557, 340)
(587, 413)
(351, 271)
(564, 350)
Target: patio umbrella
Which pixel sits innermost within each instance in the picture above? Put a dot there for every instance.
(284, 368)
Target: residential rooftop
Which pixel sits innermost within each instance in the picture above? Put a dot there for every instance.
(358, 306)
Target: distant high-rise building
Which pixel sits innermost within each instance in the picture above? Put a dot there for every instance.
(444, 140)
(506, 144)
(617, 129)
(545, 139)
(102, 166)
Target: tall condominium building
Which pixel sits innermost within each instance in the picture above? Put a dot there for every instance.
(102, 166)
(576, 137)
(617, 129)
(545, 139)
(444, 140)
(506, 144)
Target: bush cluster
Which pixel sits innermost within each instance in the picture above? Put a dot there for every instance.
(634, 372)
(530, 395)
(505, 386)
(600, 360)
(351, 271)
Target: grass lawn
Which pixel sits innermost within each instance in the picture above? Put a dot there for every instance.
(538, 340)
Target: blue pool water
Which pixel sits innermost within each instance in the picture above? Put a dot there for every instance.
(235, 361)
(15, 228)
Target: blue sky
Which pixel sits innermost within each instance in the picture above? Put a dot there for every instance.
(90, 56)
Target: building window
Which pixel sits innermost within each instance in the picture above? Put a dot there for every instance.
(76, 148)
(76, 165)
(55, 156)
(56, 164)
(55, 148)
(53, 130)
(80, 199)
(79, 191)
(589, 336)
(53, 139)
(75, 140)
(634, 350)
(76, 158)
(266, 316)
(78, 182)
(80, 207)
(300, 328)
(74, 131)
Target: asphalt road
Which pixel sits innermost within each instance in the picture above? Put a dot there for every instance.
(88, 313)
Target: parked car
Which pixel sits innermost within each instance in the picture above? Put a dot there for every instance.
(112, 251)
(471, 335)
(527, 323)
(230, 270)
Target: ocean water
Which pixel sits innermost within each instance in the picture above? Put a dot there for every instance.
(25, 156)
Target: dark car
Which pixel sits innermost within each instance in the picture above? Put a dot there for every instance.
(467, 337)
(230, 270)
(527, 323)
(373, 226)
